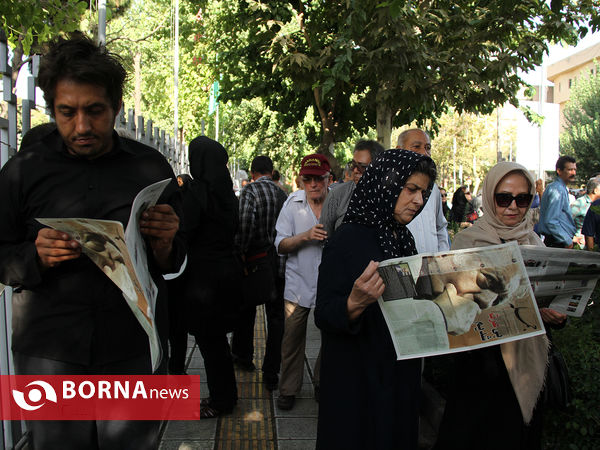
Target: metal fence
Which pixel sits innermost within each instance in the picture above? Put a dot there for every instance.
(126, 124)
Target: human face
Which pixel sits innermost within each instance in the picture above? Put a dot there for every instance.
(514, 184)
(410, 199)
(444, 195)
(418, 142)
(360, 160)
(568, 173)
(315, 186)
(84, 117)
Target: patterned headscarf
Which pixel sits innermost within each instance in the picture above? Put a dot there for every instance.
(375, 196)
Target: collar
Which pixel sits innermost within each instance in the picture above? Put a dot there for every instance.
(264, 178)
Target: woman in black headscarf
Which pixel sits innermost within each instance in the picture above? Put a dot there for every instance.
(462, 211)
(177, 326)
(368, 399)
(213, 275)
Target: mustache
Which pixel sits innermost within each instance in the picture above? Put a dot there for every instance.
(84, 136)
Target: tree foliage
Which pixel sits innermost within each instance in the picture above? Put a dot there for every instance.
(383, 63)
(581, 137)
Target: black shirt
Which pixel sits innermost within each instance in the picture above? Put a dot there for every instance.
(74, 312)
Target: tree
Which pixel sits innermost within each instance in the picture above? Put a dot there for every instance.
(28, 24)
(581, 137)
(383, 63)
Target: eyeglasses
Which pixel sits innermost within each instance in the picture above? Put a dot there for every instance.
(504, 200)
(317, 178)
(358, 166)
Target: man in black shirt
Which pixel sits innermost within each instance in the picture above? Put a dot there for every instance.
(68, 316)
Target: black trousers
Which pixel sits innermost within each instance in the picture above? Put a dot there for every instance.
(220, 375)
(177, 326)
(88, 434)
(268, 286)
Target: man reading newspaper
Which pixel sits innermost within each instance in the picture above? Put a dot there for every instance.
(68, 316)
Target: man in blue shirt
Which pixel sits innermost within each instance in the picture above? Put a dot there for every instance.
(556, 222)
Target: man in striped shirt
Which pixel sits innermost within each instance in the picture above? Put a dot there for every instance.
(260, 204)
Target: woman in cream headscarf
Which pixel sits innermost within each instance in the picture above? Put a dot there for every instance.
(494, 399)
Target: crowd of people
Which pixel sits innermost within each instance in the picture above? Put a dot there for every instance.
(316, 248)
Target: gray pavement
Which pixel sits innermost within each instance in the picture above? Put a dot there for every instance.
(256, 422)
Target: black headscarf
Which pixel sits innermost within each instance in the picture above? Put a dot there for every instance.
(212, 186)
(375, 196)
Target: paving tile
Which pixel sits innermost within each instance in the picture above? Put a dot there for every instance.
(179, 444)
(296, 428)
(303, 407)
(191, 430)
(297, 444)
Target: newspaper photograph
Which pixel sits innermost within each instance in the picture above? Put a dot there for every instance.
(121, 255)
(562, 279)
(458, 300)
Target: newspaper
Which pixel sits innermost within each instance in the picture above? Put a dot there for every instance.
(121, 255)
(562, 279)
(458, 300)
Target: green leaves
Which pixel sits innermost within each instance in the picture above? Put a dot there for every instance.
(581, 137)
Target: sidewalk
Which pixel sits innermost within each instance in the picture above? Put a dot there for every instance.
(256, 423)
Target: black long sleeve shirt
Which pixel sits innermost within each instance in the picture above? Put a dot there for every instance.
(74, 312)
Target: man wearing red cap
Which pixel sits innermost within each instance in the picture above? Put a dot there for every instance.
(300, 237)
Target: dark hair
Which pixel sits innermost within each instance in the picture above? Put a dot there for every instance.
(276, 175)
(374, 147)
(80, 59)
(563, 160)
(427, 166)
(262, 164)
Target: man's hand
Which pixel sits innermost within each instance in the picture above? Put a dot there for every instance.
(316, 233)
(293, 243)
(552, 317)
(54, 247)
(366, 290)
(160, 223)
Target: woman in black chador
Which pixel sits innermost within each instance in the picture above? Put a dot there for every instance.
(368, 399)
(213, 275)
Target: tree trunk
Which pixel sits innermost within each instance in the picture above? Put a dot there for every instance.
(384, 125)
(137, 94)
(16, 63)
(328, 127)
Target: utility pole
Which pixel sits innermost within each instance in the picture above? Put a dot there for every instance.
(101, 22)
(176, 75)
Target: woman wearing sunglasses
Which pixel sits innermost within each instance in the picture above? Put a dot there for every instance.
(507, 380)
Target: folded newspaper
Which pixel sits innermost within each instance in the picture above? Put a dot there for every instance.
(459, 300)
(467, 299)
(121, 255)
(562, 279)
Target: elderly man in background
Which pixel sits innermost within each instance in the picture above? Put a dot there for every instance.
(338, 199)
(300, 236)
(430, 228)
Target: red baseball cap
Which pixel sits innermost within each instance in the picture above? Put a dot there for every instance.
(314, 164)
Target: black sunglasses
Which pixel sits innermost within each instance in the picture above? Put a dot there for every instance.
(504, 200)
(359, 166)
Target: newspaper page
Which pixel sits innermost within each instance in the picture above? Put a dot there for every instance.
(121, 255)
(562, 279)
(458, 300)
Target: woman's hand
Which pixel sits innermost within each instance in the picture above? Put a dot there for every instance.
(366, 290)
(552, 317)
